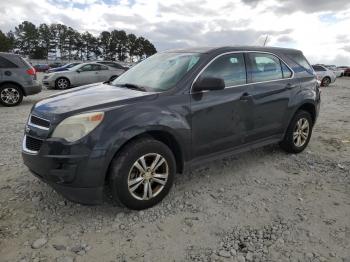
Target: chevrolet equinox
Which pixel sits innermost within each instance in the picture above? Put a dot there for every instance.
(170, 112)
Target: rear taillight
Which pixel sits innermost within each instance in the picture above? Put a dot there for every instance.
(32, 72)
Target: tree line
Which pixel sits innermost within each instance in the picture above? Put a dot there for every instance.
(61, 41)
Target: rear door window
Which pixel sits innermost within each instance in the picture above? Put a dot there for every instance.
(88, 67)
(265, 67)
(230, 68)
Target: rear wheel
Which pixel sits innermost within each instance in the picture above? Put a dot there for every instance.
(10, 95)
(62, 83)
(142, 174)
(326, 81)
(298, 133)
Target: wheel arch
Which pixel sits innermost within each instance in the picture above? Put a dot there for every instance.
(310, 108)
(163, 136)
(16, 84)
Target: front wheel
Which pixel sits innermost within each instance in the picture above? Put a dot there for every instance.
(298, 133)
(142, 174)
(62, 83)
(10, 95)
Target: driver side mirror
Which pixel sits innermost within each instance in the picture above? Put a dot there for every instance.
(208, 83)
(79, 70)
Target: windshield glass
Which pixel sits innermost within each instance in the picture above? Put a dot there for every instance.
(159, 72)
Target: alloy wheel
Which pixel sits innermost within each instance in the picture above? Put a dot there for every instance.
(148, 176)
(301, 132)
(10, 95)
(62, 83)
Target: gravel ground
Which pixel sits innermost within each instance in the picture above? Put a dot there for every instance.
(263, 205)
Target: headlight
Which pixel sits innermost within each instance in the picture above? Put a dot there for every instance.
(75, 127)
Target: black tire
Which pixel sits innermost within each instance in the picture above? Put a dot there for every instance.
(62, 83)
(326, 81)
(10, 95)
(289, 143)
(122, 167)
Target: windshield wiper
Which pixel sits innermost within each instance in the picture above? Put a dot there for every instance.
(132, 86)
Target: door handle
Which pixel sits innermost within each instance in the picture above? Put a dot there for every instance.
(245, 97)
(290, 86)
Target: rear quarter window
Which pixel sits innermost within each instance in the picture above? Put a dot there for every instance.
(5, 63)
(299, 59)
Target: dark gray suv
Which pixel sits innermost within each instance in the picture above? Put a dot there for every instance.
(17, 79)
(166, 114)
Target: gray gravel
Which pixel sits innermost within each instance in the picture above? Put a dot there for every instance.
(263, 205)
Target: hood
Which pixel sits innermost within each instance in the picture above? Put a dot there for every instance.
(89, 97)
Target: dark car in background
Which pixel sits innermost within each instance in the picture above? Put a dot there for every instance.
(175, 110)
(347, 71)
(55, 65)
(63, 68)
(17, 79)
(41, 67)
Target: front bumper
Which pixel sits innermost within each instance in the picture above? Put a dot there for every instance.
(48, 83)
(74, 171)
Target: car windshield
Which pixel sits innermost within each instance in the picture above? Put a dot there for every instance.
(159, 72)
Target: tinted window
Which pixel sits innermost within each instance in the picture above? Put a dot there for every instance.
(96, 67)
(264, 67)
(111, 64)
(102, 67)
(301, 60)
(87, 67)
(287, 73)
(230, 68)
(318, 68)
(4, 63)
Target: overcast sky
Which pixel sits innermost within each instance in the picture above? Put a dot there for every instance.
(319, 28)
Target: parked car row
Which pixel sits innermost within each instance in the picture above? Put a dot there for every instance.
(83, 74)
(18, 77)
(57, 66)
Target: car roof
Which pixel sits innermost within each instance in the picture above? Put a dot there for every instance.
(223, 49)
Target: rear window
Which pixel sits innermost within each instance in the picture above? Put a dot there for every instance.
(318, 68)
(5, 63)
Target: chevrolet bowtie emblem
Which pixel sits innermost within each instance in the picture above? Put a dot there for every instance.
(27, 128)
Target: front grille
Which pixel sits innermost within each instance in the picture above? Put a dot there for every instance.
(33, 144)
(39, 121)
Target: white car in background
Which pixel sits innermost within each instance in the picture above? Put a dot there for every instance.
(324, 75)
(83, 74)
(336, 71)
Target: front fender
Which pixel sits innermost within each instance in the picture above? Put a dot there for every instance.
(125, 123)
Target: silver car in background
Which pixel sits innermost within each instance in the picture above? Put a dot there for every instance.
(82, 74)
(324, 75)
